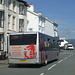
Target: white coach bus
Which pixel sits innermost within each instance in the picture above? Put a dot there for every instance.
(32, 48)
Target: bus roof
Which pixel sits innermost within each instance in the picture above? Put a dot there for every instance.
(23, 33)
(32, 32)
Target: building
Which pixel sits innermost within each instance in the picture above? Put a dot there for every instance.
(13, 18)
(50, 28)
(18, 16)
(36, 22)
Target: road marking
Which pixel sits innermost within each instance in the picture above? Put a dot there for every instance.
(69, 56)
(4, 66)
(60, 61)
(42, 74)
(51, 67)
(66, 58)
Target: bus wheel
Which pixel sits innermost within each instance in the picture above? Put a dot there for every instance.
(46, 62)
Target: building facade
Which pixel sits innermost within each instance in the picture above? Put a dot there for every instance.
(13, 18)
(51, 28)
(18, 16)
(36, 22)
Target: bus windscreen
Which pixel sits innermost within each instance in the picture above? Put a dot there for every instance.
(23, 39)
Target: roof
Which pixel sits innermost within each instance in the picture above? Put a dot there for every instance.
(30, 4)
(25, 3)
(55, 24)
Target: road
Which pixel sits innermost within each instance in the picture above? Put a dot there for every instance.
(64, 66)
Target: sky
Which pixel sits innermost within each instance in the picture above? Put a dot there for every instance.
(60, 11)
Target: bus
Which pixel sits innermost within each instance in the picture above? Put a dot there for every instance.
(32, 48)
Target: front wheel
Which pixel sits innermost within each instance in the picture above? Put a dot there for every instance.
(46, 62)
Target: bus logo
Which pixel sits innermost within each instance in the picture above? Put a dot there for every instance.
(29, 51)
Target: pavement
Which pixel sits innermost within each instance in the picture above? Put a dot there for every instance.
(3, 62)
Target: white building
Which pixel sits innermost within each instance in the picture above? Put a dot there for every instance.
(51, 28)
(13, 18)
(36, 22)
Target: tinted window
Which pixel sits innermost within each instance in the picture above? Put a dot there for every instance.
(25, 39)
(61, 40)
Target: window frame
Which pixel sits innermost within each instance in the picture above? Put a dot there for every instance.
(13, 23)
(1, 19)
(21, 25)
(24, 39)
(14, 6)
(21, 9)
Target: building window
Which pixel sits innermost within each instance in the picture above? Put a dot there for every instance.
(9, 21)
(43, 22)
(39, 28)
(42, 29)
(54, 33)
(9, 4)
(21, 9)
(13, 23)
(21, 25)
(40, 21)
(14, 5)
(1, 1)
(30, 29)
(1, 19)
(1, 41)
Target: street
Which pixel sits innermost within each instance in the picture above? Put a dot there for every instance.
(64, 66)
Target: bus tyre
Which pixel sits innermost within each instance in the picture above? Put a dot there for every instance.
(10, 65)
(46, 62)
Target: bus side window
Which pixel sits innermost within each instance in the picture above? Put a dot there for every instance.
(54, 45)
(48, 39)
(45, 43)
(48, 42)
(58, 45)
(59, 42)
(51, 44)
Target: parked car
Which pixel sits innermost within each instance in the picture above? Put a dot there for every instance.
(70, 47)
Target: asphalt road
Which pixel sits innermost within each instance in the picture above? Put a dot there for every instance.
(64, 66)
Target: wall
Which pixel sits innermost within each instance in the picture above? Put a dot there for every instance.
(32, 21)
(13, 13)
(49, 30)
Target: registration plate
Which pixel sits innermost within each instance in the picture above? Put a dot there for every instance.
(23, 60)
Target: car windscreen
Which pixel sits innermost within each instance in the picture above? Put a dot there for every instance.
(23, 39)
(70, 46)
(60, 40)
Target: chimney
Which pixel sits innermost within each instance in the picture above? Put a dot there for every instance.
(31, 7)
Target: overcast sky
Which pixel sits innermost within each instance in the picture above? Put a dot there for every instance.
(60, 11)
